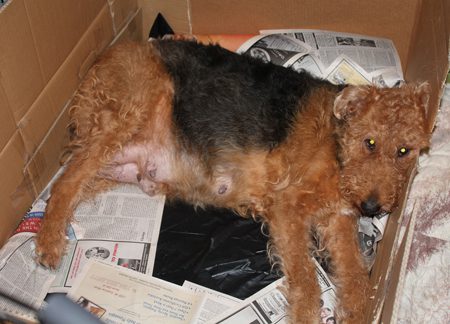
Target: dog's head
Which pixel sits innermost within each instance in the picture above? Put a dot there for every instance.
(381, 131)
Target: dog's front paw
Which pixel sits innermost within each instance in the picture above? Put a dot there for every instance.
(50, 249)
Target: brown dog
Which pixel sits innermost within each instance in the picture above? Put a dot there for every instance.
(211, 127)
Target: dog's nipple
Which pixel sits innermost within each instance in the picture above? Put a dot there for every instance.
(138, 177)
(152, 173)
(222, 189)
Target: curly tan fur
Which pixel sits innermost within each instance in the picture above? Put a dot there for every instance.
(317, 178)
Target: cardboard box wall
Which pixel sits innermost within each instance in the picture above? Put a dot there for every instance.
(46, 47)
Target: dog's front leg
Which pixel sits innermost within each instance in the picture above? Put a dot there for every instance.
(290, 235)
(349, 273)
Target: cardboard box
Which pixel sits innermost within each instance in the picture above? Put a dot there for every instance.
(47, 46)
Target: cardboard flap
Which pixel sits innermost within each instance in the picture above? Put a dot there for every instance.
(429, 47)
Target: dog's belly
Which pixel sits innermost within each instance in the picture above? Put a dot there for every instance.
(143, 164)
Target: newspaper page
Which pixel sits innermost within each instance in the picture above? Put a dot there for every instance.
(370, 53)
(344, 71)
(214, 304)
(269, 304)
(22, 278)
(319, 51)
(370, 232)
(278, 49)
(266, 306)
(119, 295)
(309, 63)
(120, 226)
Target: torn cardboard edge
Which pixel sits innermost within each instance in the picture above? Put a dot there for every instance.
(16, 191)
(399, 271)
(387, 256)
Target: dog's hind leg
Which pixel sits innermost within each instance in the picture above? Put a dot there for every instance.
(125, 98)
(67, 191)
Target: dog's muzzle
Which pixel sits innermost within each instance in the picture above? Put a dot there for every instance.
(370, 207)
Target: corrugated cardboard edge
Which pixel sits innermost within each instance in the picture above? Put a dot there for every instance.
(132, 29)
(399, 272)
(435, 52)
(122, 12)
(431, 23)
(386, 258)
(16, 192)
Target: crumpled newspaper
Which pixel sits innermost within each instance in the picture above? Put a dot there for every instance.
(370, 232)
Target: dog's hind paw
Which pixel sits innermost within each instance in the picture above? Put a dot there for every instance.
(48, 253)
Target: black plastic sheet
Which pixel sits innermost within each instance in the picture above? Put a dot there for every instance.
(214, 248)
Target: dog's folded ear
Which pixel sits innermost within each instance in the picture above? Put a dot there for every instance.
(349, 100)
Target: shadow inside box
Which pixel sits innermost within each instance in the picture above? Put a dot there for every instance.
(214, 248)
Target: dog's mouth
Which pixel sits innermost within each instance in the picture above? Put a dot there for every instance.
(378, 215)
(371, 212)
(372, 206)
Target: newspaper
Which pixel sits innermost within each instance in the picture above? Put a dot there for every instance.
(22, 278)
(119, 295)
(321, 52)
(269, 304)
(278, 49)
(370, 232)
(214, 303)
(120, 226)
(266, 306)
(344, 71)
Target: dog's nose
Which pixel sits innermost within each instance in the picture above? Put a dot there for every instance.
(370, 206)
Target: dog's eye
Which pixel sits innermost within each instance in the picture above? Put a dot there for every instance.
(403, 151)
(370, 143)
